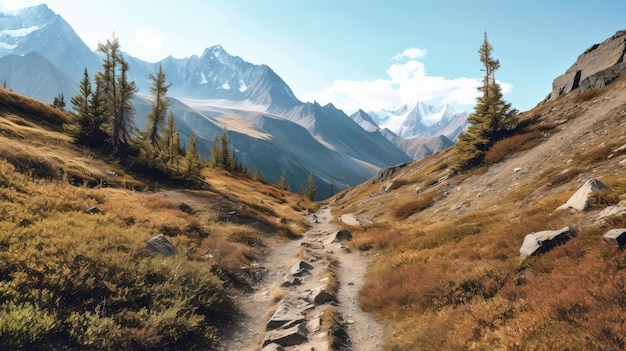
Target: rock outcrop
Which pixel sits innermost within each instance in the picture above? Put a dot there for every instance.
(387, 172)
(579, 200)
(595, 68)
(541, 242)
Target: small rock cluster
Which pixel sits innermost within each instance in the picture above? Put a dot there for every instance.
(541, 242)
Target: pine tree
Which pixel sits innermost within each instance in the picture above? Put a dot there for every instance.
(491, 118)
(311, 190)
(59, 102)
(227, 156)
(192, 158)
(171, 143)
(160, 105)
(282, 182)
(216, 153)
(87, 119)
(117, 92)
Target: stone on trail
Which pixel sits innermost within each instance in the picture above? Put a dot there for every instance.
(343, 235)
(616, 236)
(159, 244)
(295, 335)
(321, 296)
(273, 347)
(288, 313)
(541, 242)
(300, 268)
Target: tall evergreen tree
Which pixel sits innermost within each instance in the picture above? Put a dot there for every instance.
(160, 105)
(117, 93)
(171, 143)
(216, 153)
(193, 162)
(87, 119)
(492, 115)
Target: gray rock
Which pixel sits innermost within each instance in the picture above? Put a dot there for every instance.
(343, 235)
(578, 201)
(387, 172)
(295, 335)
(289, 313)
(321, 296)
(273, 347)
(291, 281)
(610, 211)
(541, 242)
(93, 210)
(300, 268)
(159, 244)
(616, 236)
(598, 66)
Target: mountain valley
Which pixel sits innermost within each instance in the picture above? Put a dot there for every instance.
(412, 252)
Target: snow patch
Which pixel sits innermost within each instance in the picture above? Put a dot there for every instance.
(203, 81)
(226, 86)
(7, 46)
(18, 33)
(242, 86)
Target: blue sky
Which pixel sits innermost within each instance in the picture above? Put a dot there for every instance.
(362, 54)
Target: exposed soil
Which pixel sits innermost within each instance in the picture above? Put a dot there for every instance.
(317, 247)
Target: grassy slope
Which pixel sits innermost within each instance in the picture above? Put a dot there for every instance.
(68, 278)
(449, 275)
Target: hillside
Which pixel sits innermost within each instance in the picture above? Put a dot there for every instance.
(75, 268)
(448, 274)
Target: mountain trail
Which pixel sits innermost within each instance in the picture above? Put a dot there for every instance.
(321, 254)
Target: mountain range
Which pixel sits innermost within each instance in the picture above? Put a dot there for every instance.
(270, 129)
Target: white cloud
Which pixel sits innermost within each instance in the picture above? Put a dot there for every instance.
(149, 38)
(411, 53)
(406, 81)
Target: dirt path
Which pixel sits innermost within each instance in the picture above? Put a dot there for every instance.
(317, 248)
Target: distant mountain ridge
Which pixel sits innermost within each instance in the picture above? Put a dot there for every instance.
(270, 128)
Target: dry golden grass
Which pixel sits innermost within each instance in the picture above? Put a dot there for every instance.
(218, 232)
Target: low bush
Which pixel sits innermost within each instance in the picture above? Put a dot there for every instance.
(408, 209)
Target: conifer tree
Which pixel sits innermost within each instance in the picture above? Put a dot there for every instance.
(171, 143)
(192, 158)
(492, 115)
(117, 92)
(311, 190)
(216, 153)
(87, 119)
(228, 161)
(282, 182)
(59, 102)
(160, 105)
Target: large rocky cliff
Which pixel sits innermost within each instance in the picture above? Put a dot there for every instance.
(595, 68)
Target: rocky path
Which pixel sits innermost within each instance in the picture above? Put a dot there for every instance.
(291, 307)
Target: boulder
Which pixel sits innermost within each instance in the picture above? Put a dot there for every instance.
(343, 235)
(300, 268)
(295, 335)
(541, 242)
(354, 220)
(578, 201)
(159, 244)
(289, 313)
(616, 236)
(598, 66)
